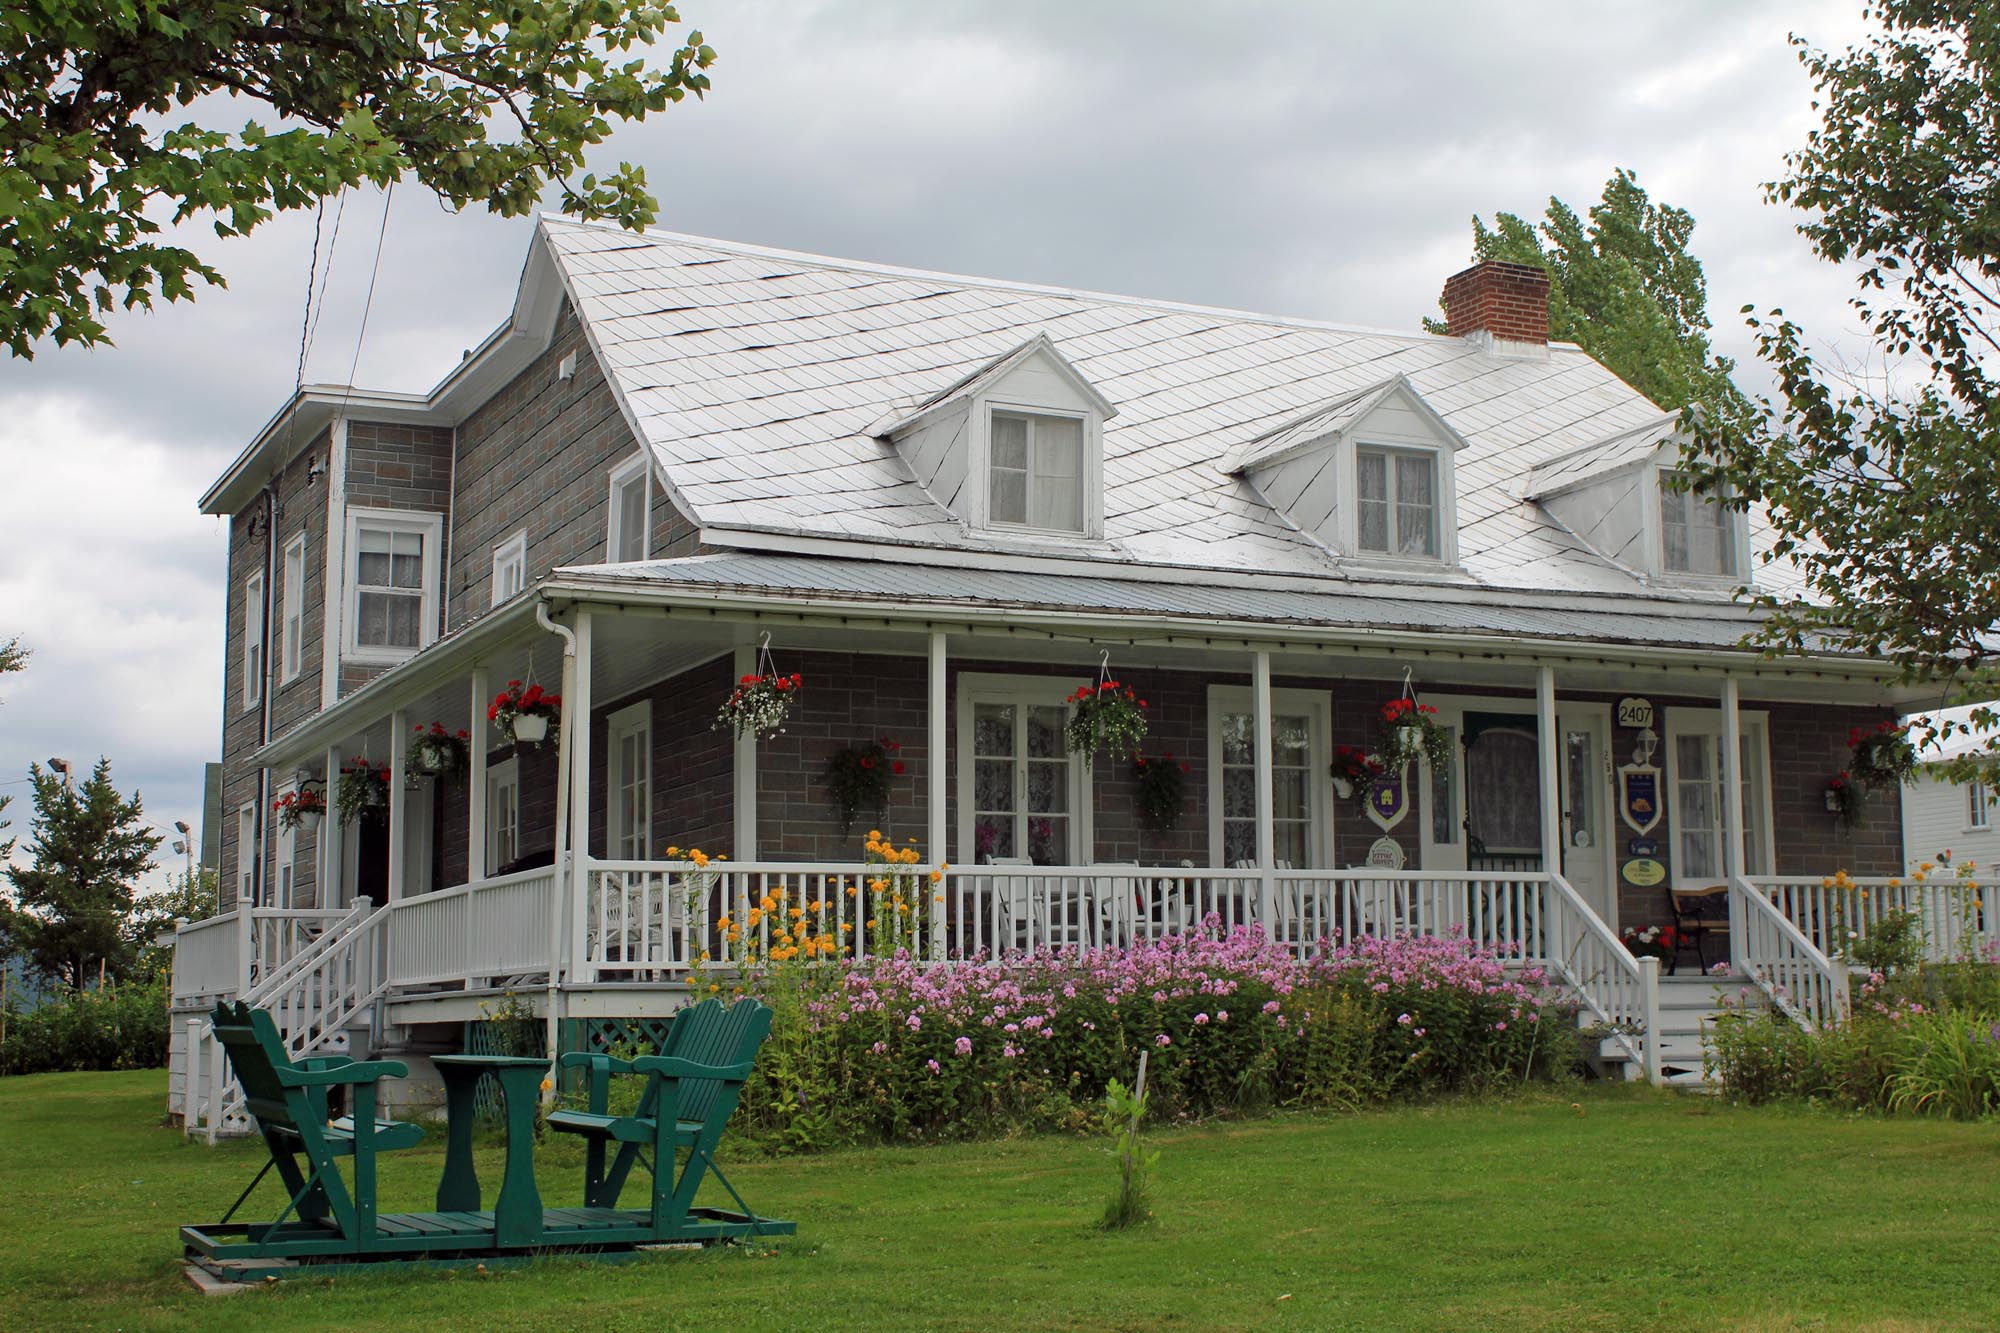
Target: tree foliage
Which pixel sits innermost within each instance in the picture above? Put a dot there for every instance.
(72, 907)
(111, 114)
(1623, 286)
(1879, 478)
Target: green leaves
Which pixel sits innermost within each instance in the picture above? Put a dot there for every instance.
(483, 102)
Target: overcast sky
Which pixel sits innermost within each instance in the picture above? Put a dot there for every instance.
(1320, 160)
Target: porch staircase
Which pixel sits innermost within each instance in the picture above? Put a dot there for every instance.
(1688, 1006)
(322, 1000)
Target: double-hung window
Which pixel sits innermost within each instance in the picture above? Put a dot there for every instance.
(627, 535)
(1396, 502)
(1696, 795)
(246, 855)
(1697, 531)
(628, 780)
(292, 610)
(510, 567)
(1035, 473)
(253, 641)
(1978, 807)
(392, 582)
(1298, 765)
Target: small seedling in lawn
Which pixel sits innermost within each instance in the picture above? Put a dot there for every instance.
(1123, 1111)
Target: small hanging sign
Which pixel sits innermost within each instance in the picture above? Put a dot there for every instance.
(1639, 797)
(1385, 853)
(1643, 847)
(1635, 712)
(1388, 801)
(1644, 873)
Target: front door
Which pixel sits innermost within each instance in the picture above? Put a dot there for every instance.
(1586, 808)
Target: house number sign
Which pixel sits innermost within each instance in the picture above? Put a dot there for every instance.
(1634, 712)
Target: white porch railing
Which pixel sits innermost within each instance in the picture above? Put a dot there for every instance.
(1836, 914)
(492, 928)
(1791, 969)
(212, 957)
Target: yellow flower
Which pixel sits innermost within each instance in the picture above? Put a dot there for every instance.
(850, 890)
(798, 913)
(1826, 883)
(547, 1084)
(938, 899)
(846, 926)
(871, 923)
(673, 852)
(937, 876)
(699, 857)
(944, 865)
(874, 835)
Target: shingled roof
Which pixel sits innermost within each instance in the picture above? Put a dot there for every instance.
(757, 375)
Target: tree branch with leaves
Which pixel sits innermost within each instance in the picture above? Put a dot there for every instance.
(94, 150)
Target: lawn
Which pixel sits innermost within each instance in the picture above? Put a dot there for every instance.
(1607, 1208)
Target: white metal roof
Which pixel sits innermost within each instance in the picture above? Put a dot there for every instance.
(757, 375)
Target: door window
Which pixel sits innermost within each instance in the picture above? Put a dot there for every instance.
(1503, 794)
(1697, 815)
(1022, 783)
(1294, 818)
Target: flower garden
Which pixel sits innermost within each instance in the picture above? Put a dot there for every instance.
(883, 1049)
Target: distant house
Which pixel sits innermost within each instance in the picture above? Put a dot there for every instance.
(1941, 816)
(948, 502)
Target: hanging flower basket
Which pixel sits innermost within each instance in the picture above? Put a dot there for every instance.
(1410, 731)
(301, 809)
(363, 787)
(525, 715)
(1846, 799)
(1354, 772)
(1106, 715)
(857, 779)
(1162, 794)
(759, 705)
(1883, 755)
(441, 753)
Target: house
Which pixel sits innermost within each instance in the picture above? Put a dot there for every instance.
(1948, 820)
(946, 503)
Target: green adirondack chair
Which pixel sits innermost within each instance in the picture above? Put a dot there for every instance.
(692, 1088)
(288, 1101)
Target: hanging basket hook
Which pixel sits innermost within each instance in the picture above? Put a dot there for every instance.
(1408, 691)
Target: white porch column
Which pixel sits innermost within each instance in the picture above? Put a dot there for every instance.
(578, 734)
(1260, 689)
(1732, 804)
(744, 791)
(475, 782)
(1550, 751)
(934, 802)
(399, 764)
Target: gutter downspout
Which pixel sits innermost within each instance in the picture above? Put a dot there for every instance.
(556, 914)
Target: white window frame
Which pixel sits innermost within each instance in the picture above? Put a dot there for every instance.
(431, 528)
(1439, 480)
(976, 688)
(1978, 807)
(503, 817)
(1317, 705)
(1083, 478)
(980, 464)
(253, 641)
(1656, 526)
(510, 567)
(1757, 798)
(634, 722)
(287, 853)
(292, 611)
(622, 476)
(246, 854)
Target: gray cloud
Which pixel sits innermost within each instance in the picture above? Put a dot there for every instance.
(1319, 160)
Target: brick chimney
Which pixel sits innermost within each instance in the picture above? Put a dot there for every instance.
(1507, 302)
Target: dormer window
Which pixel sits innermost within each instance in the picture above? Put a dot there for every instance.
(1395, 495)
(1014, 447)
(1697, 531)
(1035, 476)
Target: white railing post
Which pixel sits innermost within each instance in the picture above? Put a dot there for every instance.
(215, 1088)
(1649, 1002)
(246, 945)
(1549, 753)
(399, 833)
(191, 1089)
(1732, 798)
(475, 782)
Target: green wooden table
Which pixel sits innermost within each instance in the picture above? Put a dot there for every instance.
(517, 1212)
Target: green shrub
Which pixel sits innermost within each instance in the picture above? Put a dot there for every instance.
(115, 1027)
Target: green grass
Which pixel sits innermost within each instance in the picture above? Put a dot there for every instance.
(1614, 1208)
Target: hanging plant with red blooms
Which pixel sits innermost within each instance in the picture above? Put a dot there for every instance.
(302, 807)
(1410, 730)
(1162, 791)
(1354, 771)
(1103, 716)
(759, 705)
(857, 779)
(1651, 942)
(441, 753)
(1846, 799)
(525, 713)
(363, 787)
(1883, 755)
